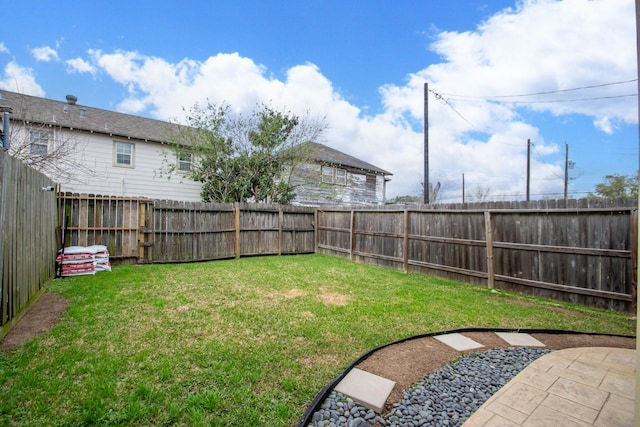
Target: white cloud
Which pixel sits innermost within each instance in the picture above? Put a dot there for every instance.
(19, 79)
(3, 48)
(44, 54)
(604, 124)
(540, 46)
(79, 65)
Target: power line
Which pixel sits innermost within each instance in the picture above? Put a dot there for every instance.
(477, 98)
(542, 93)
(550, 101)
(446, 101)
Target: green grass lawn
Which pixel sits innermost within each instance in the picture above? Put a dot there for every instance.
(243, 342)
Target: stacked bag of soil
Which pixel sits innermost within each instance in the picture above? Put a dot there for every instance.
(101, 255)
(79, 260)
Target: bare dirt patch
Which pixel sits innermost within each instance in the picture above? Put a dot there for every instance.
(294, 293)
(40, 318)
(333, 298)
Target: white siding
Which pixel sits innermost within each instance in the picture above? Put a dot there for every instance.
(100, 175)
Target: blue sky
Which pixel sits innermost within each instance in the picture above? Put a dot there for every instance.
(362, 66)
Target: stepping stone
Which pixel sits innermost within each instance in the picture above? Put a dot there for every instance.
(516, 338)
(458, 341)
(369, 390)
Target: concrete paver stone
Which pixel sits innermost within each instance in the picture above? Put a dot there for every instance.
(370, 390)
(458, 341)
(519, 339)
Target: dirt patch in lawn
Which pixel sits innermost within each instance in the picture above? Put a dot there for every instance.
(40, 318)
(333, 298)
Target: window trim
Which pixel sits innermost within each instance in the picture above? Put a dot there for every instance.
(333, 175)
(38, 142)
(325, 177)
(131, 155)
(180, 162)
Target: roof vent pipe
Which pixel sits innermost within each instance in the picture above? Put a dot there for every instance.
(71, 99)
(6, 116)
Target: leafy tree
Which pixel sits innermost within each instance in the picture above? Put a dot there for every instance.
(244, 158)
(617, 186)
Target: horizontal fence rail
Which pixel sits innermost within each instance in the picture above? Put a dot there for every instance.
(583, 254)
(88, 219)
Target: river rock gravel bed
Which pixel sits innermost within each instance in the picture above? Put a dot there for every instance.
(446, 397)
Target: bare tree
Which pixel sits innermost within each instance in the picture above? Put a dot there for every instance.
(480, 193)
(56, 151)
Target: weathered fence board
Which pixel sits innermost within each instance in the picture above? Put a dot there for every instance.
(191, 231)
(584, 253)
(88, 219)
(28, 237)
(144, 230)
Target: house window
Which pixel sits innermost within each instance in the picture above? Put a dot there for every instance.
(333, 175)
(185, 162)
(327, 174)
(123, 154)
(39, 143)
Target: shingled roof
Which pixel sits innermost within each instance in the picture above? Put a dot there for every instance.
(323, 154)
(69, 114)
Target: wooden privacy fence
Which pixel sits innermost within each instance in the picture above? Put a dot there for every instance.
(583, 254)
(27, 237)
(140, 230)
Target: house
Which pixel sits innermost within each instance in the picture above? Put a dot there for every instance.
(94, 151)
(331, 177)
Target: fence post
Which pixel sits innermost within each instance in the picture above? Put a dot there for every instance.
(405, 243)
(315, 231)
(351, 237)
(142, 216)
(237, 232)
(280, 222)
(633, 216)
(489, 239)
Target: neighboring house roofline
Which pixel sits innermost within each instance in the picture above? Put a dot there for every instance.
(70, 115)
(323, 154)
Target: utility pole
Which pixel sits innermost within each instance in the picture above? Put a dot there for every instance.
(463, 189)
(566, 170)
(426, 143)
(528, 166)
